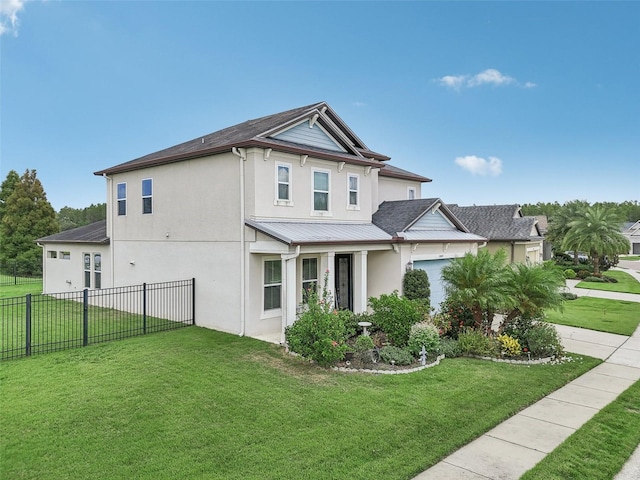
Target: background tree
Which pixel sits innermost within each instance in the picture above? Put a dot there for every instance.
(27, 215)
(6, 189)
(597, 230)
(69, 217)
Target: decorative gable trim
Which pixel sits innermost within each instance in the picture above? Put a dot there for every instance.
(310, 133)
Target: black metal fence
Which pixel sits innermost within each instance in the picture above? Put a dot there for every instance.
(45, 323)
(12, 276)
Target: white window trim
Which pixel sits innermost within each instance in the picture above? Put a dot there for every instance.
(274, 312)
(301, 274)
(85, 270)
(415, 193)
(321, 213)
(280, 201)
(147, 196)
(126, 193)
(349, 205)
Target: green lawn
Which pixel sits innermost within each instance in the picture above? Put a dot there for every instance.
(613, 316)
(630, 257)
(199, 404)
(626, 283)
(20, 290)
(599, 449)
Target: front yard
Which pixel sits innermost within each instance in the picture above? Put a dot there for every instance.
(196, 403)
(612, 316)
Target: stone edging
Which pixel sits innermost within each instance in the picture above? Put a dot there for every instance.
(537, 361)
(389, 372)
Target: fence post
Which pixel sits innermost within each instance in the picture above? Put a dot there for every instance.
(144, 308)
(85, 317)
(193, 301)
(28, 325)
(15, 273)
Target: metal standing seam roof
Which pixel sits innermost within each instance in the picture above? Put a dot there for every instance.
(298, 233)
(92, 233)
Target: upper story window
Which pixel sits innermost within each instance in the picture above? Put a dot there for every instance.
(411, 193)
(122, 199)
(147, 195)
(97, 270)
(283, 183)
(353, 191)
(321, 191)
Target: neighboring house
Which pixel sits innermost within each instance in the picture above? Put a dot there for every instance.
(505, 228)
(543, 226)
(258, 213)
(632, 232)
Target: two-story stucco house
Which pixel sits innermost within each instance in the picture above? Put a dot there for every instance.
(257, 213)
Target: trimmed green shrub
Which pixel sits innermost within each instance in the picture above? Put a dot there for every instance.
(594, 279)
(449, 348)
(423, 334)
(363, 343)
(415, 286)
(396, 355)
(542, 340)
(395, 315)
(570, 273)
(474, 342)
(568, 295)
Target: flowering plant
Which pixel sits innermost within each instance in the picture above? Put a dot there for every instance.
(319, 333)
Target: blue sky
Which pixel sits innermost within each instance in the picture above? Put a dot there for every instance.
(497, 102)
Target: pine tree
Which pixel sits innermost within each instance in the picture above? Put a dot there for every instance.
(6, 189)
(27, 216)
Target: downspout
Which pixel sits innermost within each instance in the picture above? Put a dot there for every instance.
(44, 267)
(285, 314)
(513, 251)
(110, 227)
(241, 153)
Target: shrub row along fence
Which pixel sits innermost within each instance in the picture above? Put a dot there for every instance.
(45, 323)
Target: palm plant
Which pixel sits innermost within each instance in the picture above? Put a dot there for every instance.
(559, 225)
(532, 289)
(596, 231)
(478, 282)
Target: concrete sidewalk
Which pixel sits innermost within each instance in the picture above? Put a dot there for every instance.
(519, 443)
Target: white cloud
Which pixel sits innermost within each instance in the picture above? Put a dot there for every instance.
(9, 21)
(452, 81)
(490, 76)
(480, 166)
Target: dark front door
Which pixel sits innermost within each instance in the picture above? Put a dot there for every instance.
(344, 298)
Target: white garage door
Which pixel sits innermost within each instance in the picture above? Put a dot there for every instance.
(434, 269)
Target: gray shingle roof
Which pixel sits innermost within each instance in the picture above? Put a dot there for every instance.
(92, 233)
(395, 172)
(496, 222)
(397, 216)
(256, 133)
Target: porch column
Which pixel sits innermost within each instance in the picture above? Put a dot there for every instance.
(360, 282)
(289, 303)
(328, 263)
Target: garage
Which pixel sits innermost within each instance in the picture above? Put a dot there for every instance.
(434, 271)
(636, 248)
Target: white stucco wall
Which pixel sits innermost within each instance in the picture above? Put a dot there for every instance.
(395, 189)
(261, 188)
(67, 275)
